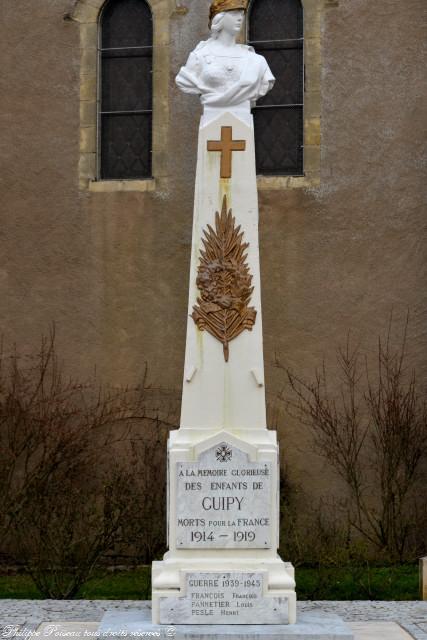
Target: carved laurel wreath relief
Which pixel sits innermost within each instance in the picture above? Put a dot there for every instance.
(224, 282)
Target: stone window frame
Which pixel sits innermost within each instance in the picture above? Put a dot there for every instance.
(87, 14)
(313, 16)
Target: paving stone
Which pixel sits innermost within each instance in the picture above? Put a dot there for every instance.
(378, 631)
(415, 630)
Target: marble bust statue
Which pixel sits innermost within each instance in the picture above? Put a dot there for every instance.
(223, 73)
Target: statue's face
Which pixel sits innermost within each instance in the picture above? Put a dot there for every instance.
(233, 21)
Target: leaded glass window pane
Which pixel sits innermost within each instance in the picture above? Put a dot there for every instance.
(125, 118)
(276, 31)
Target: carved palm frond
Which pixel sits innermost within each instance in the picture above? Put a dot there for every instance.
(224, 282)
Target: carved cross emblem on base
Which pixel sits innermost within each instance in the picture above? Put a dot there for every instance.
(226, 146)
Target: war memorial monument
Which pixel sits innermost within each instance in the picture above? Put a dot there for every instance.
(222, 576)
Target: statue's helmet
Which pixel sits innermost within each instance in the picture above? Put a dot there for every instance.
(218, 6)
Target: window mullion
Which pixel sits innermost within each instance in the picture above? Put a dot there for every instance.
(128, 112)
(289, 105)
(103, 49)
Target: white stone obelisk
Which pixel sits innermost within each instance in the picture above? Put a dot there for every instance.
(222, 565)
(219, 394)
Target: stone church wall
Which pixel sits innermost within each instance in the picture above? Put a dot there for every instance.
(110, 268)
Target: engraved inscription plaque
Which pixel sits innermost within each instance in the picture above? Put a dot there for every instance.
(224, 501)
(224, 598)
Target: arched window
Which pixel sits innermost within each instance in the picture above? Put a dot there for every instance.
(125, 90)
(276, 31)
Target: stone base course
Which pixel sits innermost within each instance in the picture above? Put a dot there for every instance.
(411, 616)
(310, 626)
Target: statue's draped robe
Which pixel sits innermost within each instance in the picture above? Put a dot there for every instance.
(198, 77)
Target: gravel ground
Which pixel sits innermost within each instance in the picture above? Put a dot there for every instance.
(412, 616)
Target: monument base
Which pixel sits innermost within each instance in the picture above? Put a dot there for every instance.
(233, 595)
(222, 566)
(310, 626)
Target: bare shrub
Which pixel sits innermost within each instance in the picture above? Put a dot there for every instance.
(65, 490)
(144, 528)
(67, 527)
(317, 534)
(373, 433)
(399, 443)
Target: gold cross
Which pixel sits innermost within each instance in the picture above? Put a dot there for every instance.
(226, 146)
